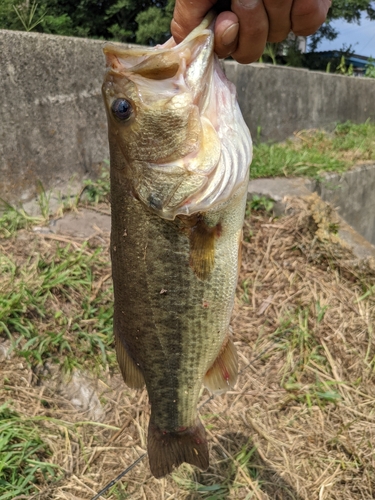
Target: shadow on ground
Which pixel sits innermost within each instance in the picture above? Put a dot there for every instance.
(239, 445)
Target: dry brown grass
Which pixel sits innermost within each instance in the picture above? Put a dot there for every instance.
(301, 422)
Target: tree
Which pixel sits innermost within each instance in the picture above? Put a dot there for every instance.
(350, 10)
(144, 21)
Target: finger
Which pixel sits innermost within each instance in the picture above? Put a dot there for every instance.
(278, 12)
(226, 33)
(308, 15)
(187, 15)
(253, 21)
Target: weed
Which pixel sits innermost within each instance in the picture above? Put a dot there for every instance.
(34, 295)
(44, 201)
(119, 491)
(23, 456)
(12, 219)
(370, 68)
(303, 353)
(315, 152)
(98, 190)
(246, 293)
(26, 14)
(261, 203)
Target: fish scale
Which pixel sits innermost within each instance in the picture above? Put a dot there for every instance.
(175, 266)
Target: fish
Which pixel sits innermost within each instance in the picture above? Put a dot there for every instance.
(180, 153)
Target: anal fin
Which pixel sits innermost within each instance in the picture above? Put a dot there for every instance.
(222, 375)
(131, 374)
(168, 450)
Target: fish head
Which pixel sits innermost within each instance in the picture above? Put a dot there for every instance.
(163, 121)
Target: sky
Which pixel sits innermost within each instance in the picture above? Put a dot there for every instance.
(361, 37)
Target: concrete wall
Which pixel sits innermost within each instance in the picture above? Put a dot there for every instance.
(53, 124)
(52, 119)
(352, 193)
(281, 100)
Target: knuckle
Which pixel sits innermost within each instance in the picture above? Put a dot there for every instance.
(247, 58)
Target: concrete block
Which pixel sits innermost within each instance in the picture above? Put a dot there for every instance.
(353, 195)
(279, 188)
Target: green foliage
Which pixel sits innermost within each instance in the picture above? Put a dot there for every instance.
(123, 20)
(27, 16)
(11, 220)
(154, 24)
(261, 203)
(35, 294)
(285, 53)
(297, 338)
(98, 191)
(350, 10)
(315, 152)
(270, 53)
(370, 68)
(343, 69)
(332, 63)
(23, 455)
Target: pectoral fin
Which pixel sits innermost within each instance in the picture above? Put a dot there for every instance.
(222, 375)
(131, 374)
(202, 248)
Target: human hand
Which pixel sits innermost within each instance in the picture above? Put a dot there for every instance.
(244, 31)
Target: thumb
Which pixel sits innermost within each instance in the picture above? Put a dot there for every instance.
(187, 15)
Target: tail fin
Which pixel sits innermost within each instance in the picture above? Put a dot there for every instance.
(167, 450)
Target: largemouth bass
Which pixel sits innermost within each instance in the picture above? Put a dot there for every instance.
(180, 153)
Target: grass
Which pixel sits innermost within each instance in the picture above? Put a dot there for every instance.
(54, 295)
(98, 191)
(51, 301)
(313, 152)
(300, 422)
(23, 456)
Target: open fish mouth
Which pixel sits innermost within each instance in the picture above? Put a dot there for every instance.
(179, 92)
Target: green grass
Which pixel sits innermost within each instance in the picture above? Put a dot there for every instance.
(56, 301)
(12, 219)
(55, 306)
(315, 152)
(23, 456)
(298, 339)
(98, 191)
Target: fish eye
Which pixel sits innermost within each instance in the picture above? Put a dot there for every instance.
(122, 109)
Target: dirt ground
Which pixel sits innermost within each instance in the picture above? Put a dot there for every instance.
(300, 423)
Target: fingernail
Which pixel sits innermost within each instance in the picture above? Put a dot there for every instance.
(230, 34)
(248, 3)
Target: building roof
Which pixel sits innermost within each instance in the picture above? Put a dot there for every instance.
(355, 59)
